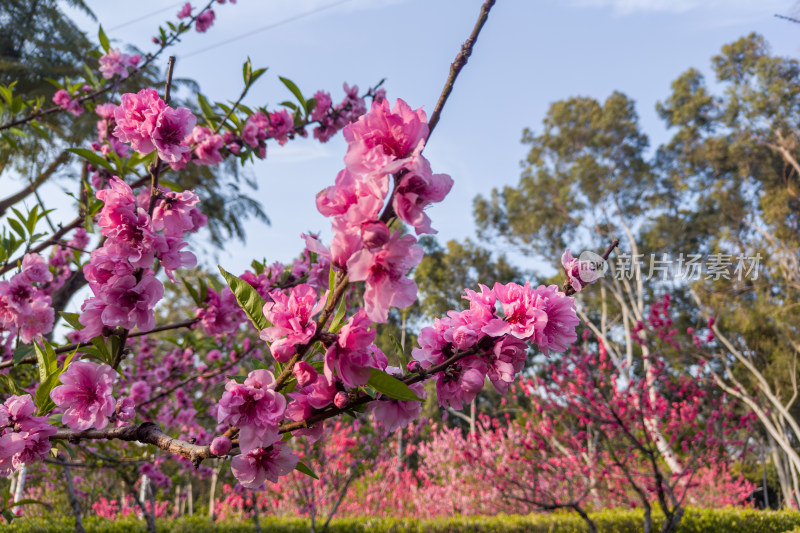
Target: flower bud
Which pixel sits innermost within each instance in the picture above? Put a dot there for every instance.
(220, 445)
(340, 400)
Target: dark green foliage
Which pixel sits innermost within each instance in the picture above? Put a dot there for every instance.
(610, 521)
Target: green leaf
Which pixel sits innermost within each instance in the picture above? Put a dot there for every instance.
(42, 395)
(331, 280)
(28, 501)
(17, 227)
(391, 386)
(295, 90)
(207, 110)
(46, 358)
(9, 515)
(103, 40)
(171, 185)
(257, 74)
(23, 351)
(401, 354)
(10, 385)
(301, 467)
(248, 298)
(337, 318)
(92, 158)
(192, 291)
(247, 71)
(72, 319)
(33, 217)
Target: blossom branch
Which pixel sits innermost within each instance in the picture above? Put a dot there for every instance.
(70, 347)
(91, 96)
(11, 265)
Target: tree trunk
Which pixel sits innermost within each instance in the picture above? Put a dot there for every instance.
(212, 492)
(73, 500)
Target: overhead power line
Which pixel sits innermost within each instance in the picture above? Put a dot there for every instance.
(265, 28)
(128, 23)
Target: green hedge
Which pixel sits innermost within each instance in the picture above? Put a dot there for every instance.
(610, 521)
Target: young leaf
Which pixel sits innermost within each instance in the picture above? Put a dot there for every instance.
(72, 319)
(46, 359)
(391, 386)
(93, 158)
(301, 467)
(42, 395)
(295, 90)
(23, 351)
(248, 298)
(337, 318)
(103, 40)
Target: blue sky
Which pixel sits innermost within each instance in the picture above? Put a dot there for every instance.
(530, 54)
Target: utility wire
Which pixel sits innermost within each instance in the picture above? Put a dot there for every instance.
(265, 28)
(171, 6)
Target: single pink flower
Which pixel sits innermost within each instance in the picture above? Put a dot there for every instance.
(116, 63)
(136, 118)
(186, 11)
(204, 21)
(523, 317)
(559, 330)
(208, 145)
(173, 213)
(418, 188)
(38, 320)
(383, 135)
(254, 467)
(255, 407)
(171, 127)
(281, 123)
(384, 271)
(35, 269)
(85, 395)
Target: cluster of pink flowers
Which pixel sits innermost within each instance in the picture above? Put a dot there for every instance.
(115, 62)
(256, 408)
(385, 142)
(280, 125)
(65, 101)
(332, 118)
(292, 318)
(148, 124)
(25, 304)
(204, 20)
(24, 437)
(544, 316)
(119, 274)
(220, 313)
